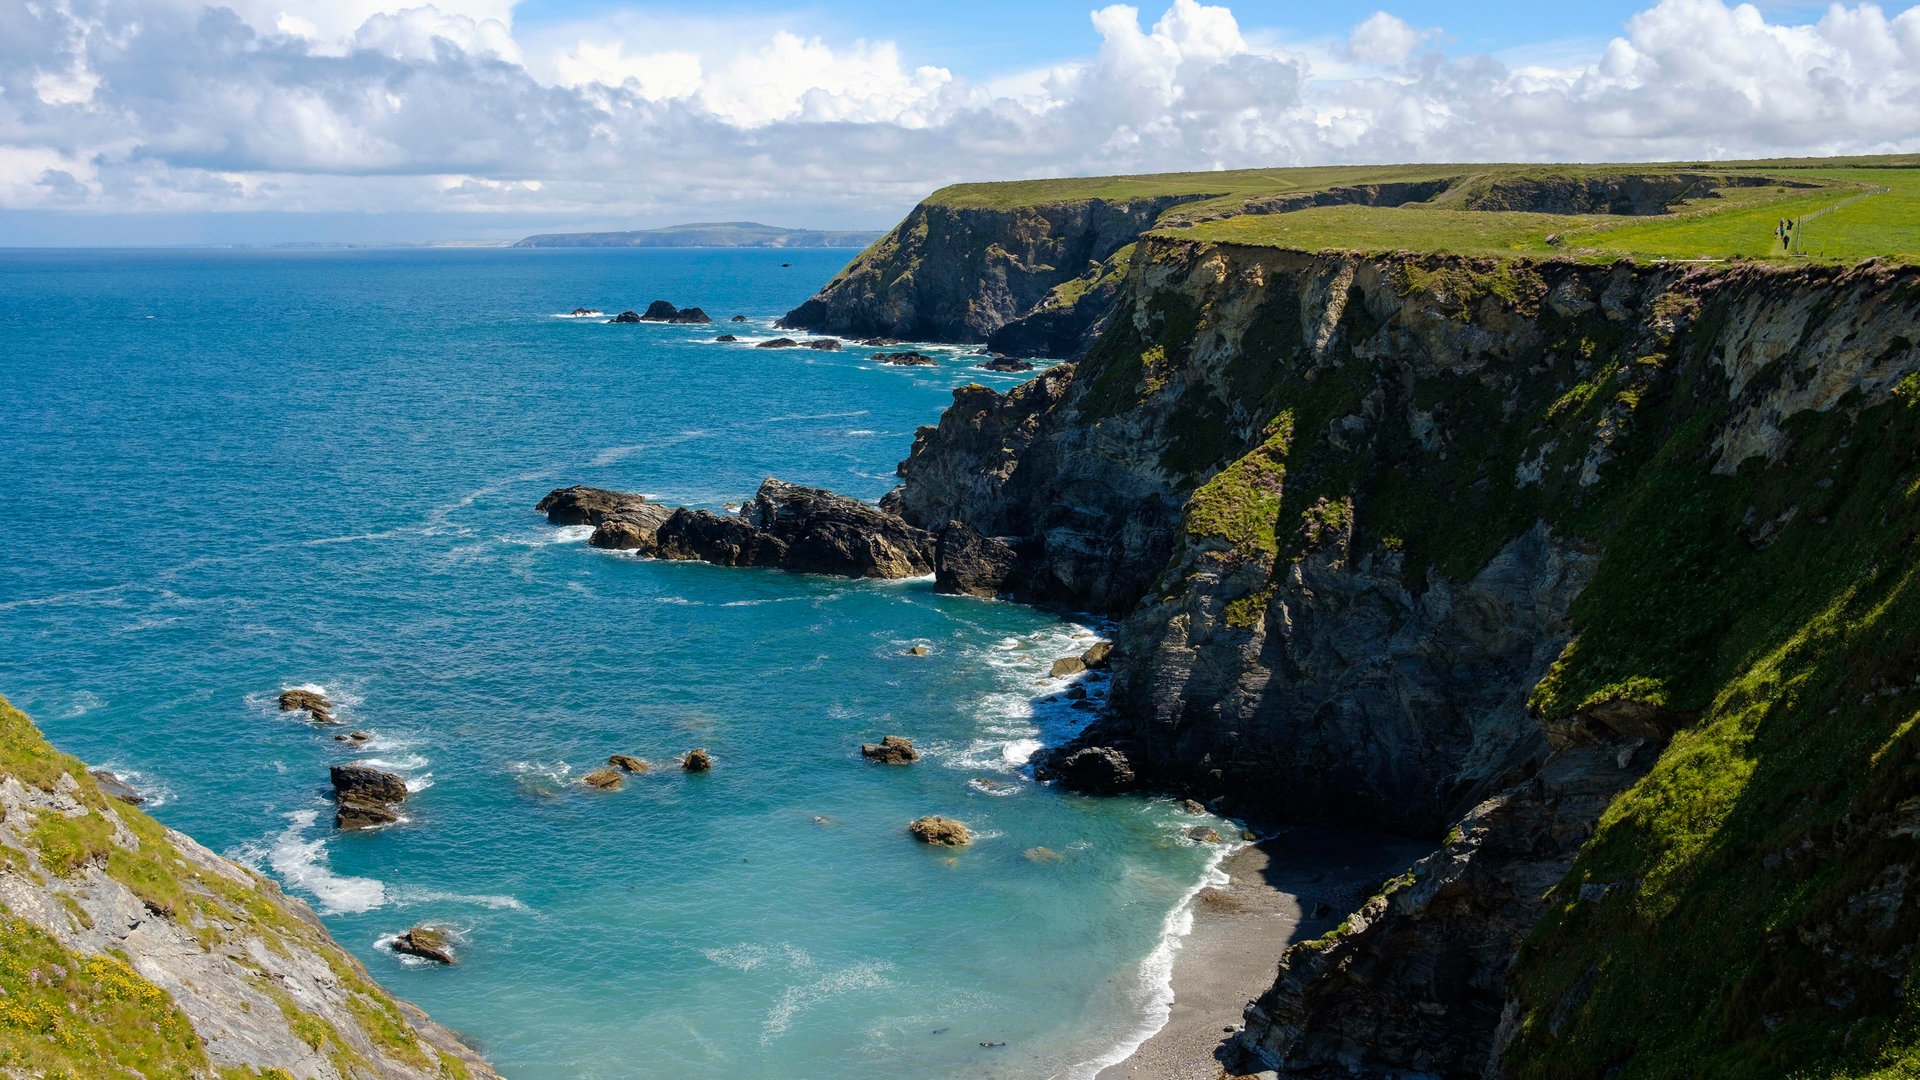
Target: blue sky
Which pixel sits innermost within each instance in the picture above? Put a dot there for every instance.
(301, 120)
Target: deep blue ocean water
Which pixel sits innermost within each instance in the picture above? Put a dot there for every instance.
(226, 473)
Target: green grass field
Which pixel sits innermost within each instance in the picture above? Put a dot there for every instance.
(1856, 208)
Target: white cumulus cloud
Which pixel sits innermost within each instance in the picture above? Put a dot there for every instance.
(304, 105)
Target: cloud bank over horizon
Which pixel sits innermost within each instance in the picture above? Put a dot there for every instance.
(309, 107)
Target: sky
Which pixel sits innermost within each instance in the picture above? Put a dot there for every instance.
(266, 121)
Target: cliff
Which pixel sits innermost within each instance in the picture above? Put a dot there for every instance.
(127, 951)
(1600, 568)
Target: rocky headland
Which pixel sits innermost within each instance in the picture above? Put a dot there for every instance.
(1583, 571)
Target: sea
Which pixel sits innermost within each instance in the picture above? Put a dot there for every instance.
(226, 473)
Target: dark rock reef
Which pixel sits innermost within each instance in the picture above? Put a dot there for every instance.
(365, 796)
(891, 750)
(426, 943)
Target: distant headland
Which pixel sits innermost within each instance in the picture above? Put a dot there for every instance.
(743, 234)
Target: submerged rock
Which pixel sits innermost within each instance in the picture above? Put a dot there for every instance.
(1042, 855)
(584, 311)
(629, 763)
(603, 779)
(919, 650)
(315, 705)
(940, 831)
(353, 737)
(696, 761)
(365, 796)
(116, 787)
(726, 337)
(892, 750)
(425, 942)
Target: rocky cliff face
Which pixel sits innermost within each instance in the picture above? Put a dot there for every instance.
(1385, 531)
(960, 274)
(129, 950)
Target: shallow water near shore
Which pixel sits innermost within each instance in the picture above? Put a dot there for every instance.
(229, 473)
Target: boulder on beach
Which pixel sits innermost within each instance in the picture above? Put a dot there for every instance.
(726, 337)
(313, 704)
(891, 750)
(602, 779)
(940, 832)
(905, 359)
(696, 761)
(629, 763)
(364, 796)
(1096, 655)
(425, 942)
(777, 343)
(625, 317)
(116, 787)
(1068, 665)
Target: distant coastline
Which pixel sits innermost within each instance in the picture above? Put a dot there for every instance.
(741, 234)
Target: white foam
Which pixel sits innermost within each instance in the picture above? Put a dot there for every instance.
(154, 791)
(588, 314)
(302, 864)
(800, 997)
(83, 703)
(1155, 985)
(863, 431)
(409, 895)
(565, 534)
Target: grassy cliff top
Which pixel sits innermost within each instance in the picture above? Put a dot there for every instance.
(1848, 209)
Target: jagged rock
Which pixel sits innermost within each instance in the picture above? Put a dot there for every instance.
(905, 359)
(602, 779)
(1096, 770)
(426, 943)
(801, 529)
(776, 343)
(633, 529)
(316, 706)
(365, 796)
(1066, 666)
(1202, 834)
(115, 787)
(940, 831)
(726, 337)
(1096, 655)
(969, 564)
(891, 750)
(823, 344)
(691, 315)
(582, 505)
(696, 761)
(628, 763)
(878, 342)
(584, 311)
(628, 316)
(1635, 719)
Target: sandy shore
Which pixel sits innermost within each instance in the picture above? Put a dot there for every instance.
(1290, 887)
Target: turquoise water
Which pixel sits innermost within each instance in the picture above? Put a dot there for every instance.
(227, 473)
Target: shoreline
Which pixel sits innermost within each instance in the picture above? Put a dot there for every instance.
(1286, 887)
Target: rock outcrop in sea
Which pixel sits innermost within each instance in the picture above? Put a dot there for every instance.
(364, 796)
(891, 750)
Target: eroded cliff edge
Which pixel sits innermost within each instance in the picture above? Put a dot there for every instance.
(127, 950)
(1459, 547)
